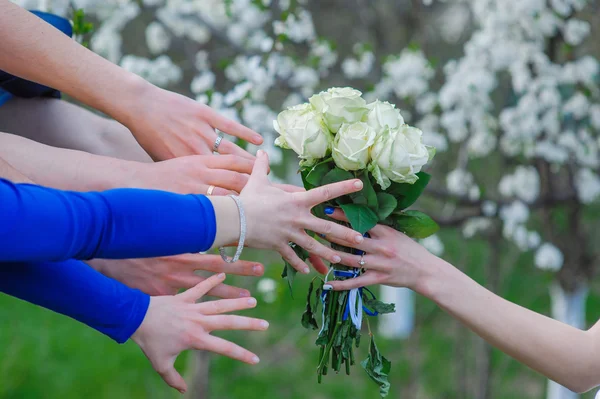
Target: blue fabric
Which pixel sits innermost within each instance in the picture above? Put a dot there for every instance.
(39, 226)
(44, 224)
(11, 85)
(76, 290)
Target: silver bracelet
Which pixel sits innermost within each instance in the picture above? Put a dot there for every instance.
(240, 246)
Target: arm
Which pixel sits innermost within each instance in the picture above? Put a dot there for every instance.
(562, 353)
(74, 289)
(165, 124)
(8, 172)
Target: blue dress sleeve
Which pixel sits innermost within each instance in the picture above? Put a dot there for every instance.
(74, 289)
(44, 224)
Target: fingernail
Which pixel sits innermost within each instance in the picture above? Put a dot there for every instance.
(359, 239)
(251, 301)
(259, 153)
(358, 184)
(359, 252)
(327, 287)
(257, 139)
(329, 210)
(244, 294)
(255, 359)
(257, 269)
(306, 270)
(366, 235)
(264, 324)
(221, 276)
(182, 391)
(321, 235)
(336, 259)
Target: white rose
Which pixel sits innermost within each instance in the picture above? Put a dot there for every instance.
(382, 114)
(351, 146)
(302, 129)
(398, 155)
(340, 105)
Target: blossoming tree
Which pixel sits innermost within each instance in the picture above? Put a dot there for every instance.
(515, 117)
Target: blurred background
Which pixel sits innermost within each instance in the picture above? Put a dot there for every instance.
(507, 90)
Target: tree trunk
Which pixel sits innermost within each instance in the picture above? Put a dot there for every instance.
(398, 325)
(568, 307)
(198, 375)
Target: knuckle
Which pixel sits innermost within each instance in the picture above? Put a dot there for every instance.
(326, 193)
(327, 228)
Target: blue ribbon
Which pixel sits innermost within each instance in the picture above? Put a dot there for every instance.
(354, 304)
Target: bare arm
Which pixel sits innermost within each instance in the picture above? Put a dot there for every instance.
(562, 353)
(166, 124)
(10, 173)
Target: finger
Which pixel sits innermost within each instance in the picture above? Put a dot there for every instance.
(330, 191)
(318, 264)
(233, 128)
(289, 188)
(367, 245)
(173, 379)
(315, 247)
(227, 179)
(227, 348)
(226, 291)
(338, 214)
(366, 279)
(234, 322)
(226, 305)
(221, 192)
(290, 256)
(216, 264)
(371, 262)
(194, 293)
(228, 148)
(333, 230)
(230, 162)
(261, 167)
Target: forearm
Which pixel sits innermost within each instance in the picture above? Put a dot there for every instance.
(562, 353)
(7, 171)
(74, 289)
(34, 50)
(66, 169)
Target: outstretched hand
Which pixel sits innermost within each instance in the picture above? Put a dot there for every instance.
(176, 323)
(275, 217)
(168, 125)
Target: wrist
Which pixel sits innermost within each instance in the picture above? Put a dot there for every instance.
(228, 220)
(127, 105)
(435, 275)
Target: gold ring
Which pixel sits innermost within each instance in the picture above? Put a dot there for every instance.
(210, 190)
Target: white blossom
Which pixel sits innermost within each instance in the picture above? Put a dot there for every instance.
(549, 258)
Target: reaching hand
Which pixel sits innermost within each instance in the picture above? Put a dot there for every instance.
(176, 323)
(168, 125)
(275, 217)
(167, 275)
(391, 258)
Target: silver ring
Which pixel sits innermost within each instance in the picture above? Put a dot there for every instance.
(362, 262)
(217, 143)
(210, 190)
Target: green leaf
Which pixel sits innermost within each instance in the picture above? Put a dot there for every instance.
(335, 175)
(378, 368)
(315, 175)
(305, 183)
(361, 217)
(289, 273)
(378, 306)
(387, 205)
(415, 224)
(367, 195)
(308, 317)
(409, 193)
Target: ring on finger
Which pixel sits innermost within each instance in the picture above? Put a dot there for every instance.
(362, 262)
(210, 190)
(217, 143)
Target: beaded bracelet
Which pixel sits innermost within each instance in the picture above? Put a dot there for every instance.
(240, 247)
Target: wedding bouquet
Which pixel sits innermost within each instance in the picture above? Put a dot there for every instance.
(338, 136)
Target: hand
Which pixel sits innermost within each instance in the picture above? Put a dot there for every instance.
(168, 125)
(194, 174)
(275, 217)
(391, 258)
(176, 323)
(167, 275)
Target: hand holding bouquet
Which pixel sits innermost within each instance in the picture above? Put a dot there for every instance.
(338, 136)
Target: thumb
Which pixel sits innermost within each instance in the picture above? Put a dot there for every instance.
(261, 166)
(174, 379)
